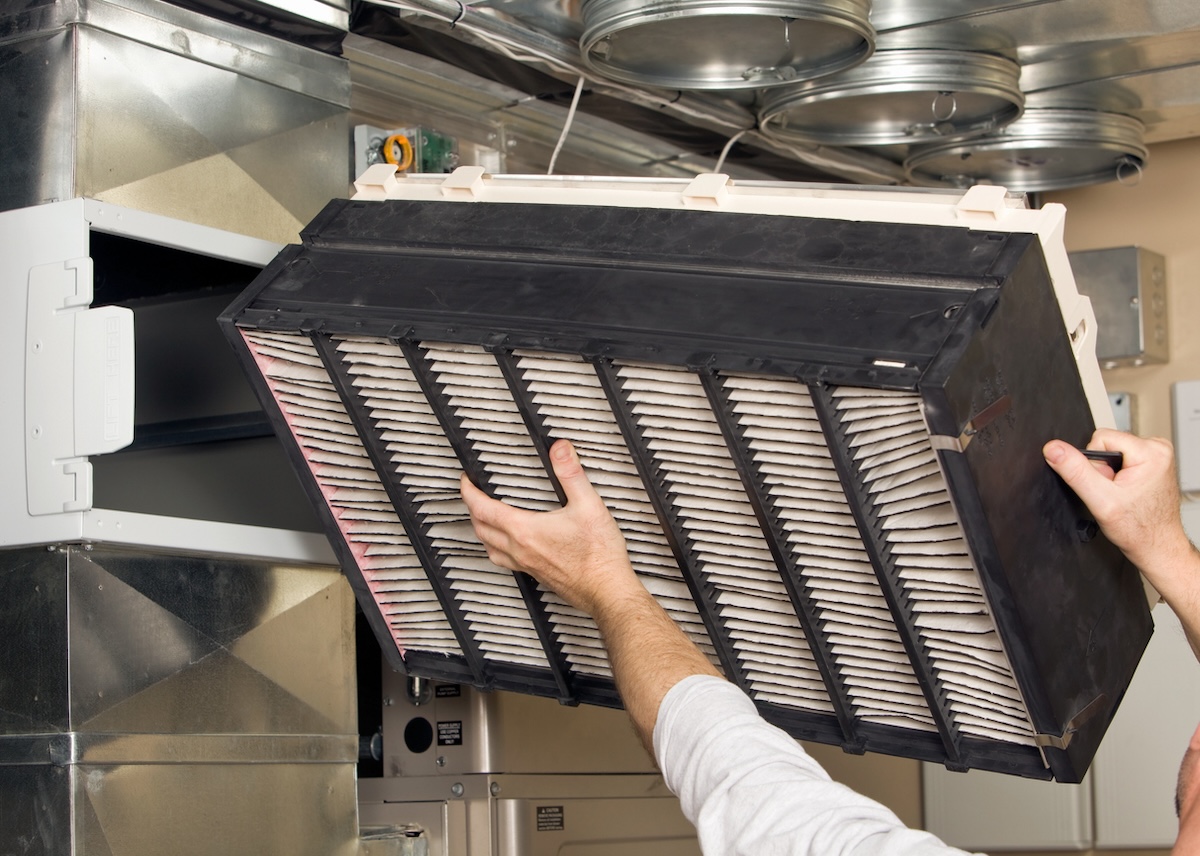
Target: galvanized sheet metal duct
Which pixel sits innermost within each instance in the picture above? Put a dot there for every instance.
(1141, 60)
(772, 407)
(899, 97)
(145, 697)
(710, 44)
(1046, 149)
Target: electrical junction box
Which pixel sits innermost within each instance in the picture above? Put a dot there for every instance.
(1128, 289)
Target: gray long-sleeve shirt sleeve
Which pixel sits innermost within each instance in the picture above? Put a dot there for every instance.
(751, 789)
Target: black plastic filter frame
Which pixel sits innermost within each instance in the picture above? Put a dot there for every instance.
(962, 318)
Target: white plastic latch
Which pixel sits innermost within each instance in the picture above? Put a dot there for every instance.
(983, 202)
(707, 190)
(78, 385)
(466, 182)
(377, 182)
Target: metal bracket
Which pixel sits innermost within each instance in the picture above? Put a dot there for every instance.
(1062, 741)
(946, 443)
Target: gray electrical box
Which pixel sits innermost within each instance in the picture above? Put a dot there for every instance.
(1128, 288)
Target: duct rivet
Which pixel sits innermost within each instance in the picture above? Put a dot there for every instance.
(457, 789)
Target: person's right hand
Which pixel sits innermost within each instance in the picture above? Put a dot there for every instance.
(1138, 510)
(1138, 507)
(577, 550)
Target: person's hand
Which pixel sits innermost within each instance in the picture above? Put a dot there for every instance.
(1136, 508)
(577, 550)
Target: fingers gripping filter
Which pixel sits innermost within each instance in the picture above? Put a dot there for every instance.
(816, 416)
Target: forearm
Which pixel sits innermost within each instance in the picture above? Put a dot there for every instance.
(649, 654)
(751, 790)
(1174, 571)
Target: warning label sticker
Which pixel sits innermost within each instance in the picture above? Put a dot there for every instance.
(549, 818)
(450, 733)
(447, 691)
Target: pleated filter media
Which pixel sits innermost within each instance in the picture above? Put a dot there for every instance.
(821, 441)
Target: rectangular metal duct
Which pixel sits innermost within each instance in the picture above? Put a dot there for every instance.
(114, 100)
(816, 413)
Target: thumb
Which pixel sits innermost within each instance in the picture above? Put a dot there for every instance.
(569, 471)
(1077, 471)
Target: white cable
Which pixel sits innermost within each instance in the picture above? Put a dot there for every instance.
(566, 129)
(728, 146)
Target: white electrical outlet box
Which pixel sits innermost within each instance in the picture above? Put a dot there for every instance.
(1124, 406)
(1185, 408)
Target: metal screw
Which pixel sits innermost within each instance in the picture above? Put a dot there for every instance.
(387, 701)
(457, 789)
(441, 762)
(495, 789)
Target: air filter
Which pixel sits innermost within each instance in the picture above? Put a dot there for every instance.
(816, 414)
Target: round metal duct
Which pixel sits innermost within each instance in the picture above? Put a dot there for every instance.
(1046, 149)
(899, 97)
(707, 44)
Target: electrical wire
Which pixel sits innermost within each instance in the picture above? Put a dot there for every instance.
(728, 147)
(566, 128)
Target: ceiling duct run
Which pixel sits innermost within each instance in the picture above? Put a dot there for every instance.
(899, 97)
(1137, 63)
(819, 429)
(710, 44)
(1045, 149)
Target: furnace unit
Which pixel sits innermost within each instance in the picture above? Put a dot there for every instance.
(817, 414)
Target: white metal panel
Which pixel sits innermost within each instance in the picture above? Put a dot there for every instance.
(994, 812)
(1135, 770)
(1185, 411)
(57, 234)
(29, 239)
